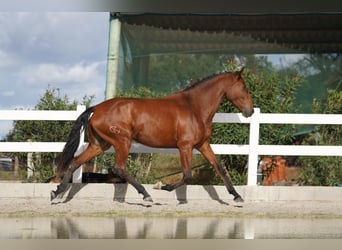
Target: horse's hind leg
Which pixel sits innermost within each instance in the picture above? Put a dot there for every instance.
(208, 153)
(91, 151)
(121, 155)
(123, 174)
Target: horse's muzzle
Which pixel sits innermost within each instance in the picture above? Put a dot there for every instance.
(247, 112)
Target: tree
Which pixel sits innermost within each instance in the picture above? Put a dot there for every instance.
(321, 72)
(45, 131)
(173, 72)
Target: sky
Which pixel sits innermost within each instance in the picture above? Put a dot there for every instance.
(67, 51)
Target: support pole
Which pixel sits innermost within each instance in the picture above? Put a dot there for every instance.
(113, 56)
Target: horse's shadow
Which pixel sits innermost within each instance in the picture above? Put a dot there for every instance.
(181, 194)
(70, 192)
(120, 192)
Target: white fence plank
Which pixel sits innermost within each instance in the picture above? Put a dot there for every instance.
(219, 149)
(230, 118)
(300, 118)
(43, 147)
(37, 115)
(253, 150)
(42, 115)
(300, 150)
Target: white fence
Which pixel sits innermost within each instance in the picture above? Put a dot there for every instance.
(253, 149)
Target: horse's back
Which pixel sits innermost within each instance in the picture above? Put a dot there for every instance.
(156, 122)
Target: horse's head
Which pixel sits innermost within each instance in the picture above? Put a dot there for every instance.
(266, 163)
(239, 95)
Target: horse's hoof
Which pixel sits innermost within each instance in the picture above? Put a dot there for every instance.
(148, 198)
(52, 195)
(167, 187)
(238, 199)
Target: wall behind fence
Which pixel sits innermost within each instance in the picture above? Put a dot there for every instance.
(253, 149)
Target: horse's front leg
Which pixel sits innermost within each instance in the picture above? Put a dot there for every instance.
(186, 161)
(208, 153)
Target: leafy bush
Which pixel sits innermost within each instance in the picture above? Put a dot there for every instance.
(324, 171)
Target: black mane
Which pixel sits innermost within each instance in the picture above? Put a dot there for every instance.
(199, 81)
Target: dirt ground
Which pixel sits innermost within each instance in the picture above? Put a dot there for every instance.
(110, 208)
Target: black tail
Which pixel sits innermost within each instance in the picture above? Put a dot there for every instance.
(73, 140)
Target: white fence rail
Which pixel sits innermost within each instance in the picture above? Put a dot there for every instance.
(253, 149)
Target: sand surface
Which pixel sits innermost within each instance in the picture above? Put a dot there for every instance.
(108, 207)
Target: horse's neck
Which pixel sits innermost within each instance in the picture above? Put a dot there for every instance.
(206, 98)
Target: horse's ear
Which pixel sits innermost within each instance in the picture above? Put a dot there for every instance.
(240, 72)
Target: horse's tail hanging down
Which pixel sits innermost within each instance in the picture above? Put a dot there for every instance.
(73, 140)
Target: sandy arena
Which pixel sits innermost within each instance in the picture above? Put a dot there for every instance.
(107, 200)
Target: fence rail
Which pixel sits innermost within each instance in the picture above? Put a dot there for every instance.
(253, 149)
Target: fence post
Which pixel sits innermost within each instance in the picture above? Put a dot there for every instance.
(30, 165)
(253, 148)
(77, 176)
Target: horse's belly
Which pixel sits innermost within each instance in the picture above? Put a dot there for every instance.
(158, 140)
(155, 136)
(165, 129)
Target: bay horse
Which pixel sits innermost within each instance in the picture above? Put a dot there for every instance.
(181, 120)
